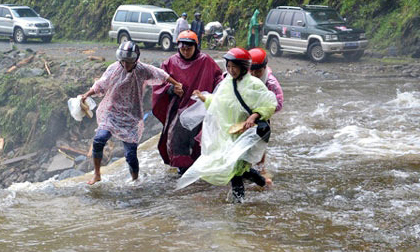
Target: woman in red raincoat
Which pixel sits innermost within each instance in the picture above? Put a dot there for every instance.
(179, 147)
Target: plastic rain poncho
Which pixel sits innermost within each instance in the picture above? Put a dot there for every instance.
(225, 155)
(177, 145)
(254, 25)
(121, 109)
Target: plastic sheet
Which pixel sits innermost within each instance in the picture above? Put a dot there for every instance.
(76, 110)
(194, 114)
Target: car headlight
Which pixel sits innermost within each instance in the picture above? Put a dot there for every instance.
(330, 37)
(362, 36)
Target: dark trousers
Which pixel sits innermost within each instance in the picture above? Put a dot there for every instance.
(130, 149)
(237, 183)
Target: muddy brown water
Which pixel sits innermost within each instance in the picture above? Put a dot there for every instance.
(344, 158)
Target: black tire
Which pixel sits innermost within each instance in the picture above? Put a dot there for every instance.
(353, 56)
(19, 36)
(212, 43)
(166, 42)
(149, 44)
(123, 37)
(316, 53)
(46, 39)
(274, 47)
(231, 43)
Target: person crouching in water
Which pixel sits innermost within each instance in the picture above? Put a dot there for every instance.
(180, 147)
(223, 151)
(260, 70)
(120, 112)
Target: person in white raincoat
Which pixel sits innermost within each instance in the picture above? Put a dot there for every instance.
(120, 112)
(224, 156)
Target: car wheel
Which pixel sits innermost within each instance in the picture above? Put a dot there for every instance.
(19, 36)
(166, 42)
(353, 56)
(46, 39)
(316, 53)
(212, 43)
(231, 42)
(123, 37)
(148, 44)
(274, 47)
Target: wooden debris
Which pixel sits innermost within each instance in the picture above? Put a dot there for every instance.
(20, 63)
(65, 154)
(17, 159)
(66, 148)
(11, 69)
(46, 66)
(1, 145)
(96, 58)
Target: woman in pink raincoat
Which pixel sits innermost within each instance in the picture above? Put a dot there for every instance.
(179, 147)
(120, 112)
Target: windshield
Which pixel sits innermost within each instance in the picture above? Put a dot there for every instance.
(326, 17)
(26, 12)
(166, 16)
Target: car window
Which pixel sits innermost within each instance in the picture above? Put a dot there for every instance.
(145, 16)
(281, 17)
(26, 12)
(166, 16)
(298, 16)
(326, 17)
(288, 18)
(4, 12)
(133, 17)
(1, 12)
(121, 15)
(274, 16)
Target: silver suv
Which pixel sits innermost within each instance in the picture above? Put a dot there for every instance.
(22, 22)
(144, 23)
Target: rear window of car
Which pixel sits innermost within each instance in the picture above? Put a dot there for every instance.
(133, 17)
(145, 16)
(273, 17)
(287, 18)
(120, 16)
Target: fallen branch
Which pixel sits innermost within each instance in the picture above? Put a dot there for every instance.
(66, 155)
(46, 66)
(1, 145)
(96, 58)
(66, 148)
(20, 63)
(17, 159)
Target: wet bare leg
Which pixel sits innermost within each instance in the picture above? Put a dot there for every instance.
(134, 175)
(97, 173)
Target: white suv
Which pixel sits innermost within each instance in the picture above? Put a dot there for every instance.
(22, 22)
(144, 23)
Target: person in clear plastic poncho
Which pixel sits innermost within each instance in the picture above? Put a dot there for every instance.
(178, 146)
(226, 155)
(120, 112)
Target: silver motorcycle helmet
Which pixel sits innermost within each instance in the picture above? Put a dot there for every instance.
(128, 51)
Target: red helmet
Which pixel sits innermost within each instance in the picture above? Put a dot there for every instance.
(187, 36)
(239, 56)
(259, 58)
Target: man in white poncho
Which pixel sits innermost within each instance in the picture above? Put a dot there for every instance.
(224, 156)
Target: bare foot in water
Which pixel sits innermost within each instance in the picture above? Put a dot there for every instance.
(268, 182)
(96, 178)
(134, 175)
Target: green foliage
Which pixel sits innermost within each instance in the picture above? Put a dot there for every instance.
(387, 22)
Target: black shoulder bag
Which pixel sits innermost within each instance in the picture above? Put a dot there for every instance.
(263, 127)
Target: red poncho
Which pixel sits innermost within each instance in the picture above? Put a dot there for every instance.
(177, 145)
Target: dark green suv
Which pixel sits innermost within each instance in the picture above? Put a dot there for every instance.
(315, 30)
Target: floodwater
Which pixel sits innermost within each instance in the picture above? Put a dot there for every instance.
(344, 156)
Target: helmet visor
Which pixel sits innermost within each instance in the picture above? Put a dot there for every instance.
(127, 56)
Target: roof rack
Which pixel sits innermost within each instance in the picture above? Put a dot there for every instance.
(317, 6)
(289, 7)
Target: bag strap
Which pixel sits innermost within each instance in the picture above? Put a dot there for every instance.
(238, 95)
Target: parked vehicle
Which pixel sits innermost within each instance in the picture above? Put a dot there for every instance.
(315, 30)
(144, 23)
(218, 37)
(22, 22)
